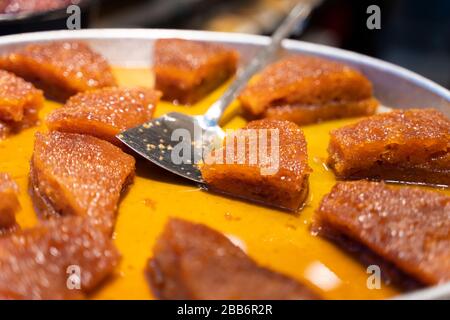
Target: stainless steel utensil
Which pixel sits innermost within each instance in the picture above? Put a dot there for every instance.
(157, 140)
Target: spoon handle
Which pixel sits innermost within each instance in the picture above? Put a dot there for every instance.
(299, 13)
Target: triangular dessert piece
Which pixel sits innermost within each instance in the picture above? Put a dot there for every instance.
(186, 70)
(106, 112)
(73, 174)
(65, 258)
(402, 145)
(406, 228)
(268, 163)
(61, 69)
(306, 89)
(193, 261)
(20, 102)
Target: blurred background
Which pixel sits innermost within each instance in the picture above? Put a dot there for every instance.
(414, 33)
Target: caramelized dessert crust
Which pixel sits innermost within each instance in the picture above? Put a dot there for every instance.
(402, 145)
(192, 261)
(20, 102)
(187, 70)
(64, 258)
(106, 112)
(61, 69)
(287, 187)
(405, 226)
(306, 89)
(73, 174)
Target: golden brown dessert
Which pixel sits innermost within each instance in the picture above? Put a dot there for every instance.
(306, 89)
(187, 70)
(20, 102)
(405, 226)
(410, 145)
(61, 69)
(18, 98)
(73, 174)
(192, 261)
(103, 113)
(9, 203)
(279, 178)
(64, 258)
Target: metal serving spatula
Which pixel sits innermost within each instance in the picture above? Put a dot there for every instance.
(176, 142)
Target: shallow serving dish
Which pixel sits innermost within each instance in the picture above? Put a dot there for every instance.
(132, 48)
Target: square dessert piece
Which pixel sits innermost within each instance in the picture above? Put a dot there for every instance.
(271, 168)
(405, 226)
(9, 203)
(20, 102)
(306, 89)
(187, 70)
(402, 145)
(61, 69)
(79, 175)
(37, 263)
(105, 112)
(193, 261)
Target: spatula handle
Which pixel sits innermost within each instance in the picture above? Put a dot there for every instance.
(297, 16)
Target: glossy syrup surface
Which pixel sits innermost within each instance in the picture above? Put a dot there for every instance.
(275, 239)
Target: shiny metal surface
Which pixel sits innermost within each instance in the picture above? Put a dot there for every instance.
(394, 86)
(158, 132)
(154, 141)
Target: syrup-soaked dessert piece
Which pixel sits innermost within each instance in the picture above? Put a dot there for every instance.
(274, 172)
(61, 69)
(402, 145)
(73, 174)
(9, 203)
(306, 89)
(187, 70)
(193, 261)
(64, 258)
(105, 112)
(18, 98)
(20, 102)
(405, 226)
